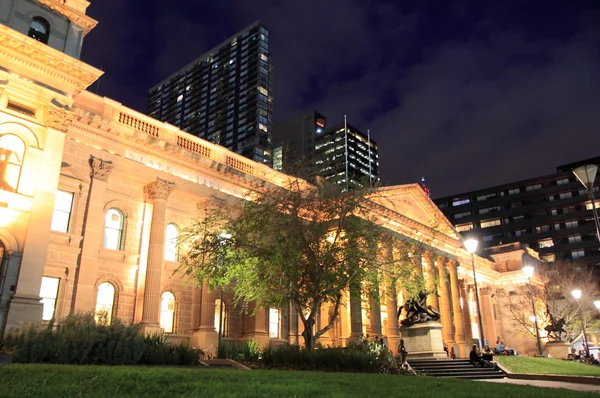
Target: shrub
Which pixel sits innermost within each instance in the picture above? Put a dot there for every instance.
(79, 340)
(247, 351)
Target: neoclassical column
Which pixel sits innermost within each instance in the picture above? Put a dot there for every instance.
(445, 302)
(466, 310)
(355, 312)
(487, 313)
(459, 326)
(375, 315)
(196, 305)
(157, 192)
(391, 303)
(294, 326)
(432, 299)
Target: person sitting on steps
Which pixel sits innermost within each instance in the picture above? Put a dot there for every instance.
(477, 360)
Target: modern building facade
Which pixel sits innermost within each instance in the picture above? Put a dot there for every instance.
(93, 196)
(340, 152)
(224, 96)
(552, 214)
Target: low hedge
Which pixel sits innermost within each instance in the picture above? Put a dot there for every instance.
(363, 357)
(80, 340)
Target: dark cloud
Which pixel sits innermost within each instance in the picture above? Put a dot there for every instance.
(468, 93)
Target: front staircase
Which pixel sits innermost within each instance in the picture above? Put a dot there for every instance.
(458, 368)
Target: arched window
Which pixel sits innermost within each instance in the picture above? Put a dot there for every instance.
(113, 229)
(221, 327)
(39, 29)
(274, 323)
(12, 151)
(167, 312)
(172, 243)
(105, 301)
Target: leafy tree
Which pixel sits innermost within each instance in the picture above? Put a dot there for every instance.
(301, 245)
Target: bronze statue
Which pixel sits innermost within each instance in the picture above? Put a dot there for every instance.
(417, 310)
(556, 328)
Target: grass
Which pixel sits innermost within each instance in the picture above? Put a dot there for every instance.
(103, 381)
(518, 364)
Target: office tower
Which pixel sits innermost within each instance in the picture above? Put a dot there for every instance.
(224, 96)
(310, 137)
(552, 213)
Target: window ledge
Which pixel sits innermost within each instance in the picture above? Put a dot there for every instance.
(118, 255)
(65, 239)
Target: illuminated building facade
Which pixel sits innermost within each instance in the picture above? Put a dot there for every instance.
(224, 96)
(93, 196)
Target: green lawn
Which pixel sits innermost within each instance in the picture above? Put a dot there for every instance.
(518, 364)
(60, 381)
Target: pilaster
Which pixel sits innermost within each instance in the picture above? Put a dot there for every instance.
(355, 313)
(431, 276)
(459, 326)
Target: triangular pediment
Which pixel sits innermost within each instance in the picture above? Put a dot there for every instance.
(412, 202)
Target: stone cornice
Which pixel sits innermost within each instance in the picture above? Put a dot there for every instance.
(59, 116)
(75, 16)
(42, 63)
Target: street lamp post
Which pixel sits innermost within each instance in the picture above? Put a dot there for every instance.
(528, 270)
(586, 175)
(223, 238)
(577, 295)
(471, 246)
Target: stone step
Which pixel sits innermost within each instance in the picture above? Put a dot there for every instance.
(458, 368)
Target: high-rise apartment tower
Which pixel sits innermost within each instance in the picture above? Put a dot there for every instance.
(224, 96)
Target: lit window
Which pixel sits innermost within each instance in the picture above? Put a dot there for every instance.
(220, 326)
(12, 150)
(575, 239)
(460, 202)
(63, 202)
(264, 57)
(589, 206)
(263, 90)
(105, 301)
(113, 229)
(180, 98)
(562, 181)
(513, 191)
(549, 257)
(262, 127)
(461, 215)
(172, 243)
(490, 223)
(546, 243)
(274, 323)
(39, 29)
(464, 227)
(167, 311)
(565, 195)
(48, 293)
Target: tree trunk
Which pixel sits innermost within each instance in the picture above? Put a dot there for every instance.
(309, 340)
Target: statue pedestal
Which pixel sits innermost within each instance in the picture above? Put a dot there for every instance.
(558, 349)
(424, 340)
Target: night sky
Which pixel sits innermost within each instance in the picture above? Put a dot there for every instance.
(469, 94)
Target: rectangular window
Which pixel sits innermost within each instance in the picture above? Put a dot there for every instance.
(571, 224)
(460, 215)
(513, 191)
(574, 238)
(577, 254)
(49, 293)
(562, 181)
(490, 223)
(63, 203)
(565, 195)
(459, 202)
(589, 206)
(533, 187)
(274, 323)
(546, 243)
(487, 238)
(464, 227)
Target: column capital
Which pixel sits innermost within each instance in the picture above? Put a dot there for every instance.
(452, 266)
(159, 189)
(440, 262)
(100, 169)
(486, 290)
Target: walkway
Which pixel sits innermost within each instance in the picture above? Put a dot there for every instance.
(548, 384)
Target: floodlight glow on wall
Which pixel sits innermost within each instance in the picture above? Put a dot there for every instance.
(471, 245)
